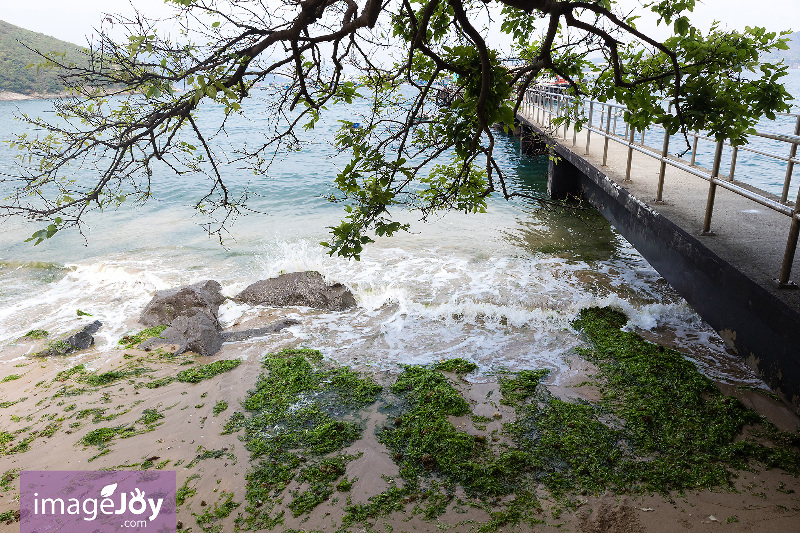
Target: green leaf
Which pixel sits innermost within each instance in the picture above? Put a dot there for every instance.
(681, 25)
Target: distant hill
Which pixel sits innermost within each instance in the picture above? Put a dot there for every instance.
(14, 58)
(791, 56)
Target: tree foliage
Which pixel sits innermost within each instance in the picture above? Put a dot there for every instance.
(401, 50)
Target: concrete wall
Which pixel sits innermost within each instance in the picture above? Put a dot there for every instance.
(759, 327)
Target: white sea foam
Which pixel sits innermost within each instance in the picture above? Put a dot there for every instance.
(112, 290)
(416, 305)
(422, 305)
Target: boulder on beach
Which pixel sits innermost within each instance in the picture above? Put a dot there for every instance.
(191, 312)
(298, 288)
(169, 304)
(196, 330)
(235, 336)
(78, 339)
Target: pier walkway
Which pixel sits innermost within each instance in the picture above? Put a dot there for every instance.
(720, 241)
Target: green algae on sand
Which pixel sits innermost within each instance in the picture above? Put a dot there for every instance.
(659, 426)
(297, 429)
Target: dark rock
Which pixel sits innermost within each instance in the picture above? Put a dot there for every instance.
(298, 288)
(78, 339)
(196, 330)
(169, 304)
(234, 336)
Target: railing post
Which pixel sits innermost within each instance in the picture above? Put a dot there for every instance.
(547, 108)
(539, 104)
(566, 108)
(549, 115)
(589, 125)
(712, 189)
(556, 112)
(575, 128)
(791, 248)
(608, 128)
(734, 156)
(630, 154)
(663, 169)
(694, 149)
(790, 166)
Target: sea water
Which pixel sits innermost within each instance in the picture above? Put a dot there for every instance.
(499, 288)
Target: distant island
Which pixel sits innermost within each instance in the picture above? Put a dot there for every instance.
(18, 82)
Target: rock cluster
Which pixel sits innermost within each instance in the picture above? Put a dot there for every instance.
(191, 312)
(192, 315)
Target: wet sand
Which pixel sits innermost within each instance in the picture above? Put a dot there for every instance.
(763, 500)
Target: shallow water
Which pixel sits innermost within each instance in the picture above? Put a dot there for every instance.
(500, 288)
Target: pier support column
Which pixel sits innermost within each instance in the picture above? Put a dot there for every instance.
(563, 180)
(531, 143)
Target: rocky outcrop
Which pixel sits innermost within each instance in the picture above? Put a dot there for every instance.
(78, 339)
(234, 336)
(169, 304)
(192, 315)
(191, 312)
(298, 288)
(196, 331)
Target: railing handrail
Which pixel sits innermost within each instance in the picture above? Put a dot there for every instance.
(542, 102)
(623, 107)
(794, 139)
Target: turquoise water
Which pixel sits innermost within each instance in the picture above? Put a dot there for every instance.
(499, 288)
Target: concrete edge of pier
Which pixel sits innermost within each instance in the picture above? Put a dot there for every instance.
(754, 323)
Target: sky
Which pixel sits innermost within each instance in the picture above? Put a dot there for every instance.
(74, 20)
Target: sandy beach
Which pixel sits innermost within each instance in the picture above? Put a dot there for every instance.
(8, 96)
(50, 413)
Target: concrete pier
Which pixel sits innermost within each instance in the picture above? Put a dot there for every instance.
(728, 277)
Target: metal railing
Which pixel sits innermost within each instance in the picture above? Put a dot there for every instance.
(543, 105)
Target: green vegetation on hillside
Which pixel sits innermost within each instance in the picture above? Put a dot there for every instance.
(791, 56)
(14, 58)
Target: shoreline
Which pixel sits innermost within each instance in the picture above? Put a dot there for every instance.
(60, 411)
(8, 96)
